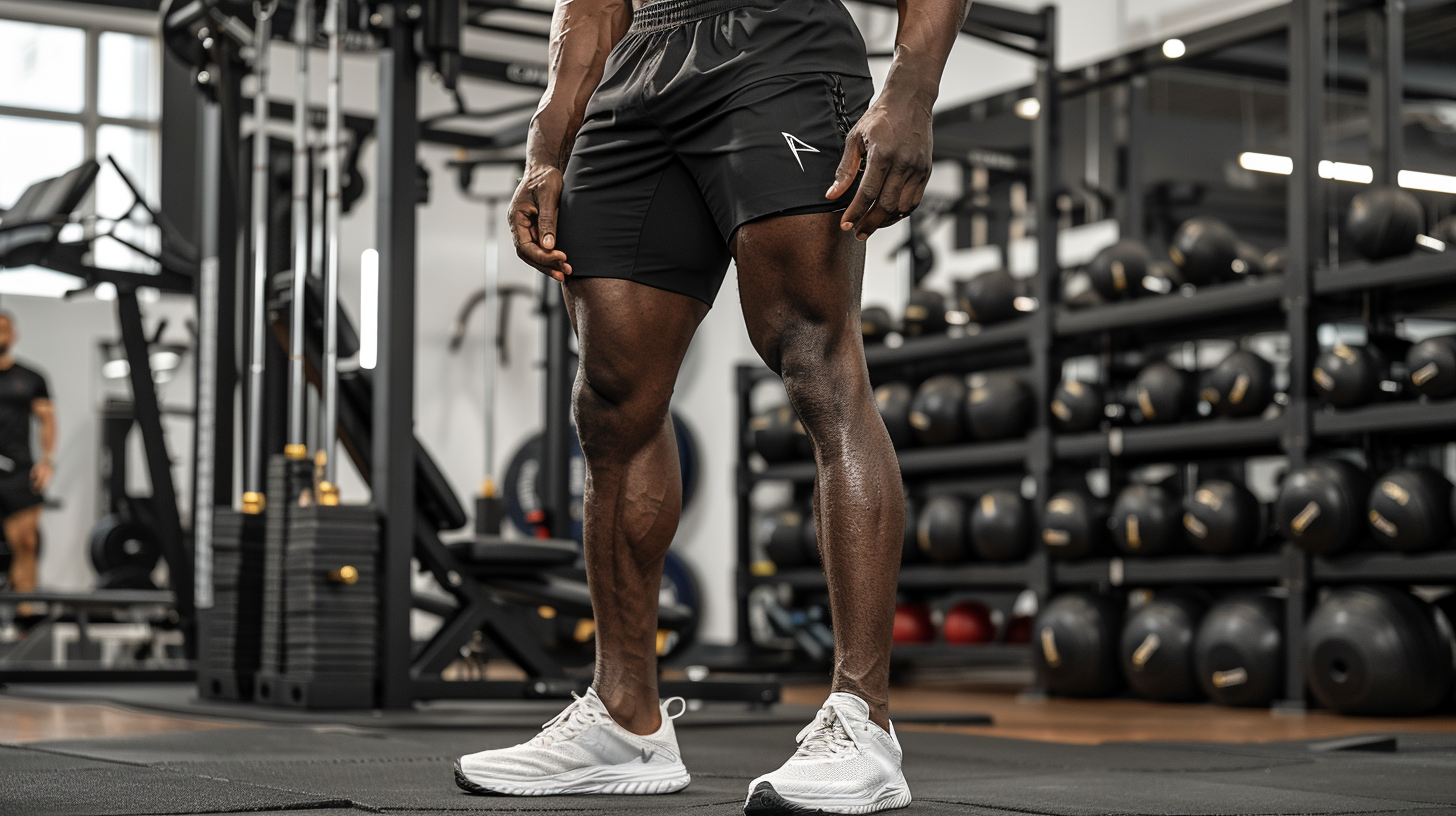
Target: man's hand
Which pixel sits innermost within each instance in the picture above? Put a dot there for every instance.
(40, 476)
(532, 220)
(893, 141)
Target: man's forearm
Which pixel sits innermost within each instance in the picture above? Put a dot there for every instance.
(582, 35)
(46, 413)
(923, 38)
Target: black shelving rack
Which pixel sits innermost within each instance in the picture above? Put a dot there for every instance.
(1308, 293)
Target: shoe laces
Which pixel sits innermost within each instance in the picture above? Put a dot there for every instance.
(571, 722)
(830, 735)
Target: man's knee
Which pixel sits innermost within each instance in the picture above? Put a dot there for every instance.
(616, 413)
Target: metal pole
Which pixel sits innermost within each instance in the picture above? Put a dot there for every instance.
(297, 447)
(1386, 43)
(490, 304)
(328, 489)
(253, 500)
(205, 442)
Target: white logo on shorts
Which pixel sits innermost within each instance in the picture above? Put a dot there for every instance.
(797, 146)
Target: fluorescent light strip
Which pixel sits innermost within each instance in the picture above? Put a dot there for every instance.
(369, 309)
(1344, 171)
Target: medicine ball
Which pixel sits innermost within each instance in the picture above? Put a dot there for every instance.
(1432, 365)
(1076, 406)
(967, 623)
(1249, 261)
(998, 406)
(1383, 222)
(940, 530)
(778, 436)
(1410, 510)
(1075, 645)
(924, 314)
(782, 537)
(1117, 271)
(893, 399)
(1204, 250)
(912, 625)
(1240, 386)
(1346, 376)
(1376, 650)
(910, 552)
(1074, 525)
(1162, 393)
(989, 297)
(1145, 520)
(1223, 518)
(1276, 261)
(935, 412)
(1001, 526)
(1321, 507)
(875, 323)
(1157, 648)
(1239, 651)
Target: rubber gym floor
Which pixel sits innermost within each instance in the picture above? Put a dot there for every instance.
(102, 750)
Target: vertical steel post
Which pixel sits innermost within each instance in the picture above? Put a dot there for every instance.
(1045, 187)
(556, 453)
(1308, 238)
(490, 305)
(1386, 50)
(297, 447)
(333, 213)
(253, 500)
(393, 457)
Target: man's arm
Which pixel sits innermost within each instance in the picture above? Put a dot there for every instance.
(40, 474)
(583, 33)
(893, 138)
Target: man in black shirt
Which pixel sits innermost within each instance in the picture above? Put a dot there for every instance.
(23, 480)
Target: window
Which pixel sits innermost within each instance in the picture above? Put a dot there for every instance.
(75, 86)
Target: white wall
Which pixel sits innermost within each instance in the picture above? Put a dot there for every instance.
(449, 388)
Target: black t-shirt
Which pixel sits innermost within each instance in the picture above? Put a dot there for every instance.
(20, 387)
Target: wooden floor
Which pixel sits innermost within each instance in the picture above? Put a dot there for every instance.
(1015, 715)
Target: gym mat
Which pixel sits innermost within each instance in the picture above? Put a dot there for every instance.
(329, 769)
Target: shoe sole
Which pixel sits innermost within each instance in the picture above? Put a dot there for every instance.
(604, 780)
(765, 801)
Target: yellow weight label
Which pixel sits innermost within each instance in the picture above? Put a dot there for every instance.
(1056, 538)
(1210, 396)
(1194, 526)
(979, 395)
(1232, 677)
(1074, 388)
(1306, 517)
(1383, 524)
(1396, 492)
(1145, 402)
(1345, 353)
(1240, 389)
(919, 420)
(1145, 650)
(1049, 647)
(1323, 379)
(1134, 534)
(916, 312)
(1423, 375)
(988, 505)
(1119, 276)
(1061, 411)
(763, 569)
(1177, 256)
(759, 423)
(1061, 506)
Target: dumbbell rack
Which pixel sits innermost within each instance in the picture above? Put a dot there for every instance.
(1311, 291)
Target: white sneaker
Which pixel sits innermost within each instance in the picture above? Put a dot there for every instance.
(581, 750)
(845, 764)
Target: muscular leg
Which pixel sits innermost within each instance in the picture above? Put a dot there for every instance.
(21, 534)
(632, 338)
(800, 282)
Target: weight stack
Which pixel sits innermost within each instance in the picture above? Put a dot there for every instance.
(330, 606)
(231, 631)
(287, 478)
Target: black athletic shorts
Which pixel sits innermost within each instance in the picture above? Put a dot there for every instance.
(15, 492)
(710, 114)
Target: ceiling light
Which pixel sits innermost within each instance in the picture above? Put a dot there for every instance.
(1028, 108)
(1174, 48)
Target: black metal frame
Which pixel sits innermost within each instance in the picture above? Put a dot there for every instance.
(1310, 292)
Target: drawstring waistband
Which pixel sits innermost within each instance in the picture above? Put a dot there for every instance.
(665, 14)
